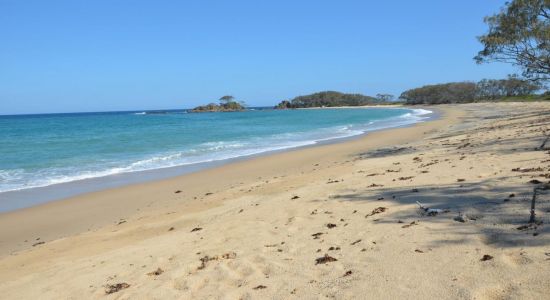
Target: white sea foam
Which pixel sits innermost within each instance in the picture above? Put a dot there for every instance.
(421, 112)
(206, 152)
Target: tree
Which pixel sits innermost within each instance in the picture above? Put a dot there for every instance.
(514, 86)
(328, 99)
(492, 89)
(520, 35)
(384, 97)
(453, 92)
(464, 92)
(489, 89)
(285, 104)
(227, 99)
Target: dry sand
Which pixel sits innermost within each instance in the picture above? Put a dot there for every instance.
(333, 221)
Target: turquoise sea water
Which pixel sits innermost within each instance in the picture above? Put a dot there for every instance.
(42, 150)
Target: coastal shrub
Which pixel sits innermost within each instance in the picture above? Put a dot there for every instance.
(453, 92)
(512, 87)
(328, 99)
(492, 89)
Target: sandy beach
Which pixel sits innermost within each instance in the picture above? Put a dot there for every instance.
(332, 221)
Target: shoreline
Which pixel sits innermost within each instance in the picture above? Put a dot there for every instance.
(80, 212)
(397, 105)
(332, 221)
(24, 198)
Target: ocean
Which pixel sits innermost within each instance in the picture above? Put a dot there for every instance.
(49, 149)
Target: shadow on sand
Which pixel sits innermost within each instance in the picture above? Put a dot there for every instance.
(493, 214)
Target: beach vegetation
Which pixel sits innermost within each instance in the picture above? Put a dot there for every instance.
(493, 89)
(508, 89)
(385, 97)
(227, 99)
(453, 92)
(520, 34)
(329, 99)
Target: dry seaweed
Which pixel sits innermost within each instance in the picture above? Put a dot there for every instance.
(317, 235)
(376, 211)
(156, 272)
(486, 257)
(113, 288)
(325, 259)
(260, 287)
(410, 224)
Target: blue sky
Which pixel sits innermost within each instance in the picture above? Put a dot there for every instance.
(66, 56)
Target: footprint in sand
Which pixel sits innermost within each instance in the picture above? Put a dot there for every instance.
(515, 259)
(496, 292)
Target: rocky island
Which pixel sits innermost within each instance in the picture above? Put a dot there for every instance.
(227, 104)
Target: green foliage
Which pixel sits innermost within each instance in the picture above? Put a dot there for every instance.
(463, 92)
(492, 89)
(232, 106)
(384, 97)
(328, 99)
(520, 34)
(207, 107)
(454, 92)
(285, 104)
(227, 99)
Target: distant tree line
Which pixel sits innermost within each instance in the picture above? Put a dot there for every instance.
(465, 92)
(329, 99)
(453, 92)
(493, 89)
(385, 97)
